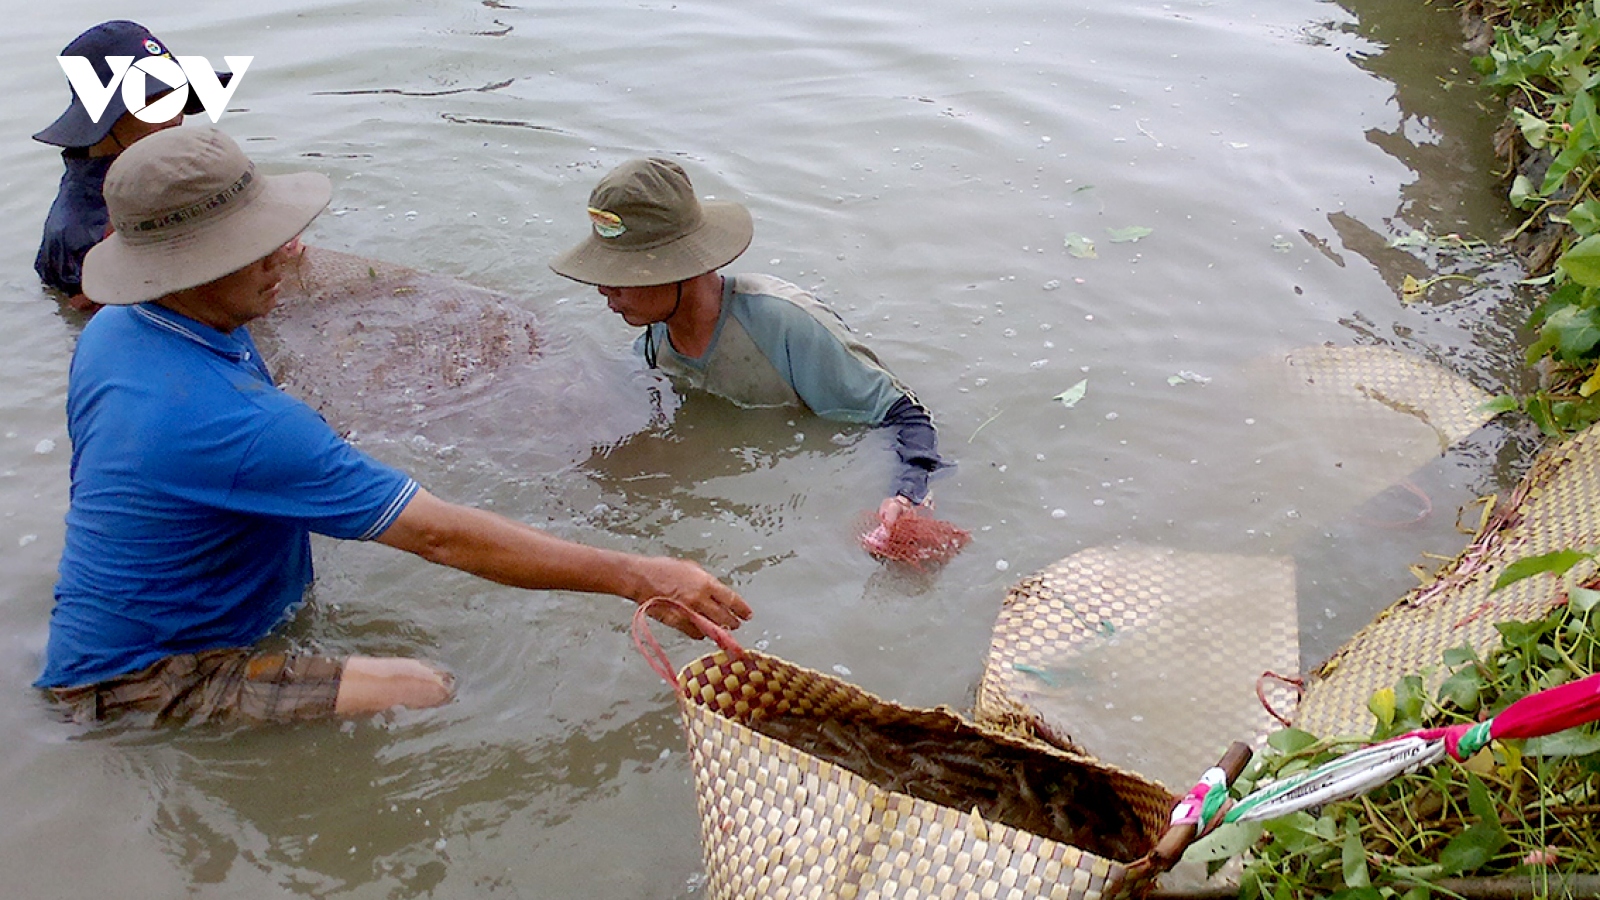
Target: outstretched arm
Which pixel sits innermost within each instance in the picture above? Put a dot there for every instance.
(917, 445)
(512, 553)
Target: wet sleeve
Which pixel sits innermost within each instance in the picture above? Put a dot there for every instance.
(916, 443)
(66, 241)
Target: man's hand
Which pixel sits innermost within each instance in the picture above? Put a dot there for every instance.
(892, 509)
(690, 585)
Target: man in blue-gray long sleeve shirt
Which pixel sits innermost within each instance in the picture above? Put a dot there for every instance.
(654, 251)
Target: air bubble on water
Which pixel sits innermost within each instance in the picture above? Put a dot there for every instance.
(842, 670)
(1058, 514)
(1001, 565)
(44, 446)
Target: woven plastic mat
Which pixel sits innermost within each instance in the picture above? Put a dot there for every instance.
(1555, 507)
(1161, 650)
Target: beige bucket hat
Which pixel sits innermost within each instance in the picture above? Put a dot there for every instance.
(188, 207)
(650, 229)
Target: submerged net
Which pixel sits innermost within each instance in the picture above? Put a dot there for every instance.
(915, 539)
(389, 353)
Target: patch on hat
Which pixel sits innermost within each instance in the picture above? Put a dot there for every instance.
(153, 48)
(606, 224)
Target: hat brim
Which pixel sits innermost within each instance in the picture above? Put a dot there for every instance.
(117, 273)
(74, 128)
(724, 234)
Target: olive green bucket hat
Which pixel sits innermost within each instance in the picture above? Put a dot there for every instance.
(650, 229)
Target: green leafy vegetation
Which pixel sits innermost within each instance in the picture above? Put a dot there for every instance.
(1526, 809)
(1546, 58)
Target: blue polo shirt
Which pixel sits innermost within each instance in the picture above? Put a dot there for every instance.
(195, 485)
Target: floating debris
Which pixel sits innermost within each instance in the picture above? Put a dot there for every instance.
(1070, 397)
(1187, 377)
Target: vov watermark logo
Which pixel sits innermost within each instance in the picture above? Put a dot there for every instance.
(183, 74)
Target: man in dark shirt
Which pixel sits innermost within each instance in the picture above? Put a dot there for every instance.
(77, 219)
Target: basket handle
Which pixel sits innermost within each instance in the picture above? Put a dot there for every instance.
(651, 649)
(1177, 838)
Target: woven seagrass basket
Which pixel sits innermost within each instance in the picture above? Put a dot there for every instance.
(777, 822)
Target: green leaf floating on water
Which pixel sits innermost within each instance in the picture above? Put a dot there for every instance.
(1127, 235)
(1500, 404)
(1080, 246)
(1070, 397)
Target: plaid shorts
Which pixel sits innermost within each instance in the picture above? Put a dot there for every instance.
(236, 684)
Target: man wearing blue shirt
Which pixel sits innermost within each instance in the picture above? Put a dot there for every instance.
(196, 482)
(654, 251)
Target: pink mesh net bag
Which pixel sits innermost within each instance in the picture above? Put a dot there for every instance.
(915, 538)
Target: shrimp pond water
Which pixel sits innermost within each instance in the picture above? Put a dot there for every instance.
(1008, 198)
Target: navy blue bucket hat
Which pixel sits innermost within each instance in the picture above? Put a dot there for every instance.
(74, 128)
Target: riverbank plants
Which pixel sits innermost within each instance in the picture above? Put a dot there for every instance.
(1546, 58)
(1523, 811)
(1518, 818)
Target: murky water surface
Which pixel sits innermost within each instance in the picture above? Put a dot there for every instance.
(924, 167)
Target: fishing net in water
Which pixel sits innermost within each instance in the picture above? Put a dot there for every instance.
(389, 353)
(914, 538)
